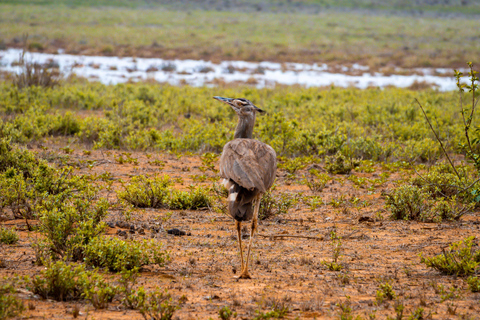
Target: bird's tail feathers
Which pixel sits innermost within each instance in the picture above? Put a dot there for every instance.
(240, 201)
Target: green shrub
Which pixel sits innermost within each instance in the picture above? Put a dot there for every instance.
(407, 202)
(117, 255)
(385, 292)
(291, 165)
(158, 306)
(272, 205)
(22, 160)
(460, 259)
(59, 281)
(191, 200)
(70, 225)
(144, 192)
(132, 298)
(8, 236)
(65, 282)
(317, 181)
(336, 244)
(441, 182)
(96, 290)
(339, 164)
(474, 284)
(10, 306)
(226, 314)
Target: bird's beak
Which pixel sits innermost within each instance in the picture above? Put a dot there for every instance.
(260, 110)
(227, 101)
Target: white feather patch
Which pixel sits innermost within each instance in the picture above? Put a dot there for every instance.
(227, 183)
(232, 196)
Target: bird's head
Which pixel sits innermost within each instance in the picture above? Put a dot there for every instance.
(241, 106)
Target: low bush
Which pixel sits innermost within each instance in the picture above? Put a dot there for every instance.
(194, 199)
(158, 305)
(8, 236)
(316, 181)
(410, 202)
(10, 306)
(70, 225)
(97, 290)
(385, 292)
(65, 282)
(339, 164)
(157, 192)
(144, 192)
(272, 204)
(132, 298)
(441, 182)
(226, 314)
(407, 202)
(474, 284)
(460, 259)
(59, 281)
(117, 255)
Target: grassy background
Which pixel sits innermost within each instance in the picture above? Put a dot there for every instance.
(240, 32)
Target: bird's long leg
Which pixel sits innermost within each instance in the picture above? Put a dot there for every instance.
(245, 274)
(238, 224)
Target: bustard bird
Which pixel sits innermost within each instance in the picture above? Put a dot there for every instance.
(248, 168)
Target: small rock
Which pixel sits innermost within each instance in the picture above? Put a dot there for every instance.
(122, 233)
(141, 231)
(176, 232)
(122, 224)
(366, 219)
(111, 224)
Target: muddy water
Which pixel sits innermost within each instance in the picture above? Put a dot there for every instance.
(113, 70)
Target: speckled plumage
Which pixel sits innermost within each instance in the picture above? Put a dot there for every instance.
(252, 166)
(248, 168)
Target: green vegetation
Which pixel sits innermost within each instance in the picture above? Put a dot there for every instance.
(460, 259)
(385, 292)
(150, 117)
(10, 306)
(336, 244)
(473, 284)
(317, 181)
(273, 205)
(60, 281)
(158, 305)
(183, 30)
(8, 235)
(226, 314)
(157, 192)
(116, 254)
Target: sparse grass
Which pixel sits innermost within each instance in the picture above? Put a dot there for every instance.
(385, 292)
(10, 306)
(460, 259)
(158, 305)
(275, 204)
(8, 235)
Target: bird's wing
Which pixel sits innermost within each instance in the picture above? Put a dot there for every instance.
(250, 163)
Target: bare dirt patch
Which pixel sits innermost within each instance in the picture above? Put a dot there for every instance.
(287, 253)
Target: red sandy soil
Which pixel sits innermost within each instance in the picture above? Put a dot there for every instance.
(285, 270)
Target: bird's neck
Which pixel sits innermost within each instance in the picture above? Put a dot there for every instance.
(245, 127)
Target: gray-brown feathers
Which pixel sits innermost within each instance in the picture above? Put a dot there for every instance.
(251, 167)
(247, 165)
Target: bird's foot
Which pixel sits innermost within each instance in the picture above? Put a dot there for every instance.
(244, 275)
